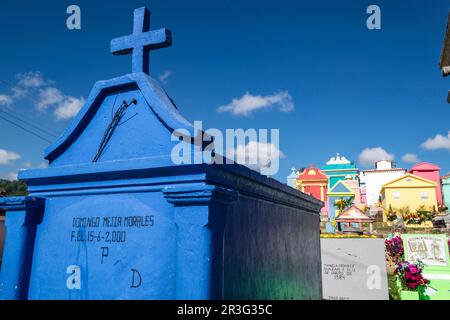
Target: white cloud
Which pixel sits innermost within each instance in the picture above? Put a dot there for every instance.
(69, 107)
(19, 92)
(44, 95)
(42, 164)
(12, 176)
(49, 97)
(438, 142)
(27, 83)
(369, 156)
(5, 100)
(249, 103)
(410, 158)
(164, 76)
(26, 165)
(66, 107)
(7, 156)
(255, 155)
(32, 79)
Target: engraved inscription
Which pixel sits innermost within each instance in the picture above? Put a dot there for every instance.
(340, 271)
(110, 229)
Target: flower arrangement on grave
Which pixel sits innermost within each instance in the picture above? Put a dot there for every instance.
(391, 214)
(410, 276)
(394, 249)
(419, 216)
(405, 213)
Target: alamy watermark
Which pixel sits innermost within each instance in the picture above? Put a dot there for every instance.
(374, 20)
(251, 147)
(73, 21)
(374, 277)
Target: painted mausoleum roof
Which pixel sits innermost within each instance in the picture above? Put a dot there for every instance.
(312, 173)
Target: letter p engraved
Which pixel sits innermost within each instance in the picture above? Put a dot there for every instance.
(105, 253)
(74, 279)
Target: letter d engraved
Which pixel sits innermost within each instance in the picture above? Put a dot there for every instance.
(136, 279)
(74, 279)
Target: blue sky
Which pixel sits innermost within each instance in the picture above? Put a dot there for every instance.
(351, 88)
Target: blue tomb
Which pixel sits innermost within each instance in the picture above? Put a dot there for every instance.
(112, 217)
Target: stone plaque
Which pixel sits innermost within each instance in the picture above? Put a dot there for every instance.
(428, 248)
(354, 269)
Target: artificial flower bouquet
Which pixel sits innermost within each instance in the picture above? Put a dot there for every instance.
(411, 281)
(394, 249)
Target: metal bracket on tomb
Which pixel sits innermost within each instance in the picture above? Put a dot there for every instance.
(185, 195)
(111, 127)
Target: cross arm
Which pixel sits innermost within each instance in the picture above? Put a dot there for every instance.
(153, 39)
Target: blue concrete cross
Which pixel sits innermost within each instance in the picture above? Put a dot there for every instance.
(141, 41)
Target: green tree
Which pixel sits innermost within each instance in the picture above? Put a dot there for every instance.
(343, 204)
(14, 188)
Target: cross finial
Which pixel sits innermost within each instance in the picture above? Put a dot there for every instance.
(141, 41)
